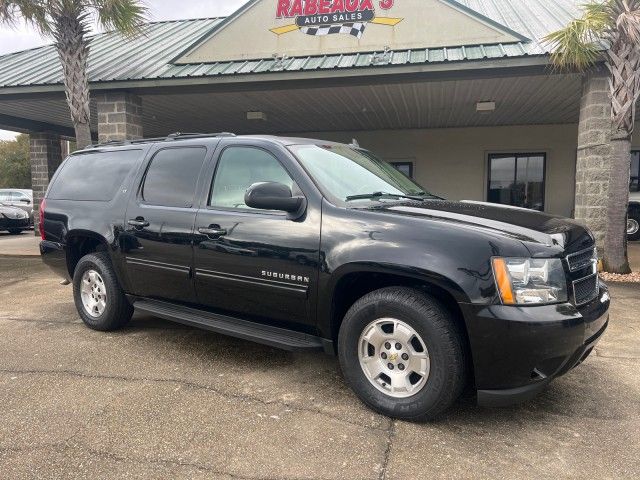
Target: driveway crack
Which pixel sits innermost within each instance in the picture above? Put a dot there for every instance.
(188, 384)
(391, 433)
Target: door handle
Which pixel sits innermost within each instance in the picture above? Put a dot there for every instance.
(138, 222)
(212, 231)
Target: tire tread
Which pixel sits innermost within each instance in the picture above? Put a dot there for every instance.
(447, 329)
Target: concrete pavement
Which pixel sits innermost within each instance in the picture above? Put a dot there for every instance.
(160, 400)
(25, 244)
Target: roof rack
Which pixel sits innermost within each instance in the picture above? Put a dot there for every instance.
(171, 137)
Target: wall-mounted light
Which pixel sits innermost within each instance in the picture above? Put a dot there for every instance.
(485, 107)
(256, 116)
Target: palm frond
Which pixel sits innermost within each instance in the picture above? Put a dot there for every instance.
(33, 12)
(124, 16)
(581, 42)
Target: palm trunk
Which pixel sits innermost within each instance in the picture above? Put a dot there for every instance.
(73, 50)
(615, 242)
(83, 135)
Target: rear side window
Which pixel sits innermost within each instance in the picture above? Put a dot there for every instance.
(172, 176)
(93, 176)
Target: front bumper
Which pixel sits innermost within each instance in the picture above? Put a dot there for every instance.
(7, 223)
(517, 351)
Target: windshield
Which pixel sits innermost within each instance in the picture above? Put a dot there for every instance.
(346, 173)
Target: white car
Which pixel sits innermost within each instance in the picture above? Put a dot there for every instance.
(633, 220)
(18, 198)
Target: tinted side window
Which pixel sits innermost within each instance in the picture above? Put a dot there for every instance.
(5, 196)
(172, 176)
(93, 176)
(241, 167)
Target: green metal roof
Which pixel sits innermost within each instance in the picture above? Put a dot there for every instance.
(149, 57)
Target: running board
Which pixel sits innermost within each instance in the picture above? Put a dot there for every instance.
(235, 327)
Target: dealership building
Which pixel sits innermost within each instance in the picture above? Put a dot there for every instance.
(457, 94)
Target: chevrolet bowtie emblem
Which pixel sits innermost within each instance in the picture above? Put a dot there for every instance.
(393, 357)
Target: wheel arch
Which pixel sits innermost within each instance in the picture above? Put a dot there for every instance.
(80, 243)
(353, 281)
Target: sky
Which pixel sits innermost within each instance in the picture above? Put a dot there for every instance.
(23, 37)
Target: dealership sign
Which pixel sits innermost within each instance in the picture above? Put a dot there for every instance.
(327, 17)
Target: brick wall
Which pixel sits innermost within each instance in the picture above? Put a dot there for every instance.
(119, 116)
(46, 155)
(594, 151)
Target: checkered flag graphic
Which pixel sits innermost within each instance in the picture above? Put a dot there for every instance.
(355, 29)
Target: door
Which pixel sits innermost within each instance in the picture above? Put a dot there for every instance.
(158, 241)
(255, 263)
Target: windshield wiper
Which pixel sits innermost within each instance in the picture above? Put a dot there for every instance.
(365, 196)
(429, 195)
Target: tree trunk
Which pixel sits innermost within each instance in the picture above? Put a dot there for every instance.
(83, 135)
(73, 50)
(615, 241)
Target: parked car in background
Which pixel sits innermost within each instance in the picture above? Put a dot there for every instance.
(21, 198)
(13, 219)
(633, 220)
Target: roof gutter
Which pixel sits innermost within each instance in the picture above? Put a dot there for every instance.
(454, 69)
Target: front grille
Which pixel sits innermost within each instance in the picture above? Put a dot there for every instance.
(585, 289)
(581, 259)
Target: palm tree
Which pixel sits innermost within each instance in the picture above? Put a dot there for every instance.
(68, 23)
(609, 30)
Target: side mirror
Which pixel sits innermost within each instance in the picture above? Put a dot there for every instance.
(274, 196)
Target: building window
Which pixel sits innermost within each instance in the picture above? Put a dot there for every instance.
(404, 167)
(517, 179)
(634, 184)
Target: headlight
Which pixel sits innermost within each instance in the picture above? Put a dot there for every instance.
(524, 281)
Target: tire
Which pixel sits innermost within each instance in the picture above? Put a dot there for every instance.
(634, 219)
(117, 311)
(435, 328)
(15, 231)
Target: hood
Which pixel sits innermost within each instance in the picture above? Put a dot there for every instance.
(12, 212)
(518, 223)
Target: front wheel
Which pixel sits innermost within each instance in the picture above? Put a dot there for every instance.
(99, 299)
(15, 231)
(633, 225)
(402, 353)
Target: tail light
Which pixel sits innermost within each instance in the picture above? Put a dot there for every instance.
(41, 219)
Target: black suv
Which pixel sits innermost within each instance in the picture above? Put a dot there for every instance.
(309, 244)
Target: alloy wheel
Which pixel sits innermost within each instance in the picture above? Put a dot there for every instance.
(93, 293)
(393, 357)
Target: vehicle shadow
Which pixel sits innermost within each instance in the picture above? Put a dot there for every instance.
(590, 391)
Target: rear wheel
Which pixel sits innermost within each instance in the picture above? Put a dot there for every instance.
(402, 353)
(633, 225)
(99, 299)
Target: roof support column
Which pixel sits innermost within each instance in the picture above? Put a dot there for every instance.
(119, 116)
(594, 151)
(45, 154)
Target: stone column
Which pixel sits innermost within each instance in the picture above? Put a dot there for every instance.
(594, 151)
(119, 116)
(46, 155)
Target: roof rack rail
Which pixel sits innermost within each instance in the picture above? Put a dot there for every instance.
(170, 137)
(180, 135)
